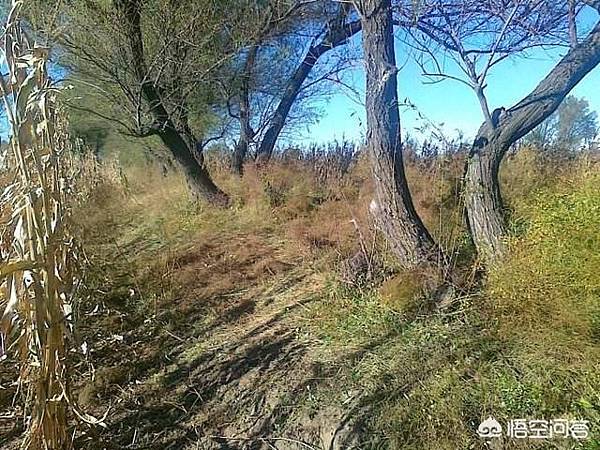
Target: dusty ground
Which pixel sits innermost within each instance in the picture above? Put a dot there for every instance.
(203, 348)
(219, 366)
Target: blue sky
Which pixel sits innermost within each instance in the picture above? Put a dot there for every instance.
(448, 102)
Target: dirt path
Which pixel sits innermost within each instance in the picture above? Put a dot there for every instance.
(222, 365)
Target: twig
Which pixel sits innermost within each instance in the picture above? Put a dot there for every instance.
(265, 440)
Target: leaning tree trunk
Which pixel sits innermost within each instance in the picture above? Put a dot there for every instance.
(199, 183)
(392, 206)
(483, 202)
(337, 34)
(267, 145)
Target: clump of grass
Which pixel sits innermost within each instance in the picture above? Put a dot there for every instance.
(352, 317)
(550, 282)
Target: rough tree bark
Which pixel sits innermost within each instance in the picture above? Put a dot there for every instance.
(180, 141)
(186, 152)
(392, 206)
(246, 131)
(336, 35)
(483, 202)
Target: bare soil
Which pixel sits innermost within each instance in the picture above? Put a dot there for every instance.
(219, 362)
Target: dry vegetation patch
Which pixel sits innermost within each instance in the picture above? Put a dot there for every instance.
(230, 328)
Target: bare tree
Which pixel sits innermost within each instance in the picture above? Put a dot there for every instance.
(478, 35)
(392, 206)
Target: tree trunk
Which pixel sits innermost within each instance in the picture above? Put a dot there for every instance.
(336, 35)
(483, 202)
(239, 155)
(392, 206)
(199, 182)
(246, 131)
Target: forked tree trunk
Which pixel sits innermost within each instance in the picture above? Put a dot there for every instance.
(392, 206)
(483, 202)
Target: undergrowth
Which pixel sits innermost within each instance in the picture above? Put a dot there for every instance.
(525, 346)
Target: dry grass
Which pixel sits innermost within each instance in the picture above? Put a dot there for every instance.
(235, 324)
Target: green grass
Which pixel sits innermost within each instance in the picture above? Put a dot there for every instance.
(526, 347)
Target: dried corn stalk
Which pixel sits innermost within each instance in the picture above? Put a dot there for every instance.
(36, 249)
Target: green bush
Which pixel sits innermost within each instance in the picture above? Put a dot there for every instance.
(550, 281)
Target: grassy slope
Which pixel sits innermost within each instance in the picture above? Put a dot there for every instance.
(228, 329)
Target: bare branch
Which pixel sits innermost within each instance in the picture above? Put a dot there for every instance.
(573, 39)
(548, 95)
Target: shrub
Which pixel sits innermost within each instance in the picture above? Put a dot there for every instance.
(550, 282)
